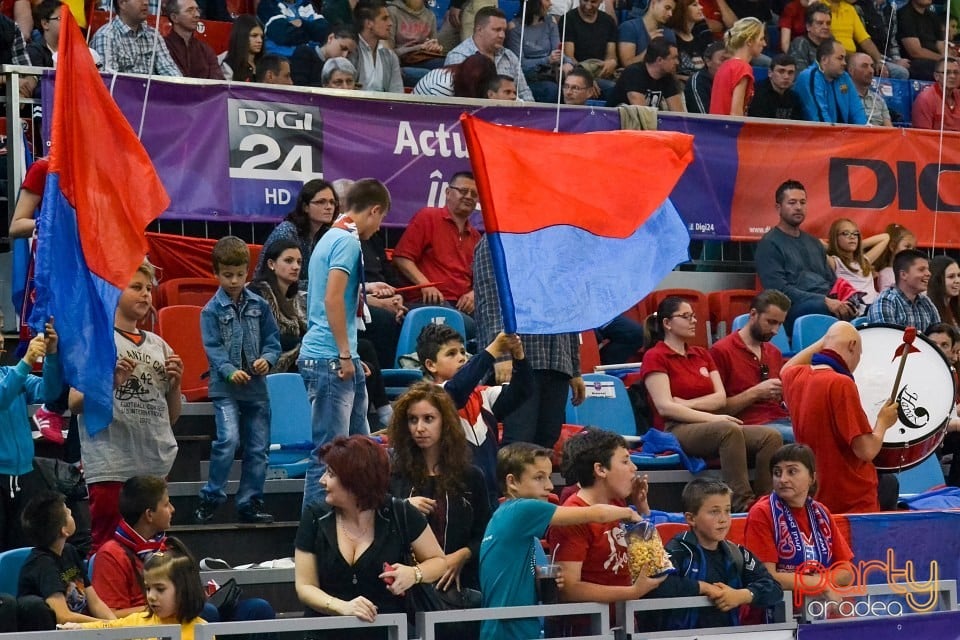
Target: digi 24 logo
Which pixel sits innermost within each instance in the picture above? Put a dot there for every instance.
(275, 141)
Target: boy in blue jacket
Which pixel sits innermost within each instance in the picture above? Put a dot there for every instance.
(242, 342)
(708, 564)
(18, 389)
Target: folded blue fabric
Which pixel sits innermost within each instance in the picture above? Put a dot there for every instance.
(656, 441)
(945, 498)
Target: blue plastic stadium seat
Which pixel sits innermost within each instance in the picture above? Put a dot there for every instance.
(510, 8)
(923, 477)
(780, 341)
(648, 461)
(439, 8)
(606, 405)
(810, 328)
(291, 434)
(898, 94)
(860, 321)
(396, 380)
(10, 563)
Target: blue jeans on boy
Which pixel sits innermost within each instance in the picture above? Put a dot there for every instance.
(338, 408)
(238, 419)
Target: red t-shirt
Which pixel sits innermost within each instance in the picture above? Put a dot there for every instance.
(740, 370)
(794, 17)
(602, 548)
(759, 533)
(728, 75)
(826, 412)
(115, 578)
(712, 12)
(689, 374)
(443, 254)
(36, 176)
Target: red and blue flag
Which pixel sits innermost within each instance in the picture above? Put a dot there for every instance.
(580, 226)
(101, 193)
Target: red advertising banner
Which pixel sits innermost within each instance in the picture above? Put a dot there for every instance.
(874, 176)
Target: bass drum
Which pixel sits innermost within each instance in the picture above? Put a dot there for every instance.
(926, 394)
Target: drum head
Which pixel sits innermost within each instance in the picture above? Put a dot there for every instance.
(926, 391)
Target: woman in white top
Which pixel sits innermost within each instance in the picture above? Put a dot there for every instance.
(468, 79)
(851, 257)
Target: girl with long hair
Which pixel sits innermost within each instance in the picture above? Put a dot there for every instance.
(944, 288)
(692, 34)
(900, 238)
(432, 470)
(851, 257)
(239, 63)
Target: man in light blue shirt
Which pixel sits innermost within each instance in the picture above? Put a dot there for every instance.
(329, 364)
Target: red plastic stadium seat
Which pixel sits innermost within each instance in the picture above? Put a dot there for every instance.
(701, 307)
(180, 327)
(727, 305)
(195, 292)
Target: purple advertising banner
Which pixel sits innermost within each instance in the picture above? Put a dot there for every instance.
(942, 626)
(241, 152)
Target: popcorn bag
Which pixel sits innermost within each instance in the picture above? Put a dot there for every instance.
(645, 549)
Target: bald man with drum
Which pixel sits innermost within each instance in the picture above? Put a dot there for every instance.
(827, 415)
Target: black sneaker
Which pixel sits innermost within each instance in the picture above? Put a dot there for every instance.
(253, 513)
(205, 511)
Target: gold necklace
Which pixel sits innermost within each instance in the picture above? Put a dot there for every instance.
(355, 537)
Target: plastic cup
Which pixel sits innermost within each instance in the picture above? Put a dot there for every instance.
(547, 583)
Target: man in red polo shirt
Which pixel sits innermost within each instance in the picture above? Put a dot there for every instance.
(824, 402)
(750, 366)
(437, 248)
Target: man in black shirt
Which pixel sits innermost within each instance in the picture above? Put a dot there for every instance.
(591, 34)
(774, 97)
(653, 82)
(698, 89)
(921, 37)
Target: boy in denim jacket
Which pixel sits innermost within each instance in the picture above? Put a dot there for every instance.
(242, 342)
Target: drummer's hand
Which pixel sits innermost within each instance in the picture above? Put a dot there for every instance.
(888, 415)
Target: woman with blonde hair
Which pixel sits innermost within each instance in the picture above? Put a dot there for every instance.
(733, 84)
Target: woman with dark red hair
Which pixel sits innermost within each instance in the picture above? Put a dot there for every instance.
(350, 552)
(468, 79)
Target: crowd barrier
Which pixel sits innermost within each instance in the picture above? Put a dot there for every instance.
(159, 632)
(271, 139)
(784, 627)
(394, 623)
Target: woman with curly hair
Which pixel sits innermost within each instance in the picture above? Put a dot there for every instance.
(432, 471)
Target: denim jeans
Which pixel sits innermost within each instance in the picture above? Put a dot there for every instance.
(236, 419)
(338, 408)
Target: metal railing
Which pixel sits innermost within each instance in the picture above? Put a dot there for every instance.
(164, 631)
(394, 623)
(627, 618)
(428, 621)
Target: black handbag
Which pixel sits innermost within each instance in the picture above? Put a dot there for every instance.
(426, 597)
(225, 598)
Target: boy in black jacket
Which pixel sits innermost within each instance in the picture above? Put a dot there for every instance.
(709, 564)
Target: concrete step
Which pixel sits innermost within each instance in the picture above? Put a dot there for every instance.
(282, 499)
(238, 543)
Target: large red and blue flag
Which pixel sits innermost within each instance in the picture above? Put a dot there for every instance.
(580, 226)
(101, 193)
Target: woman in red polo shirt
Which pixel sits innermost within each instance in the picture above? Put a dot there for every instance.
(792, 533)
(685, 389)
